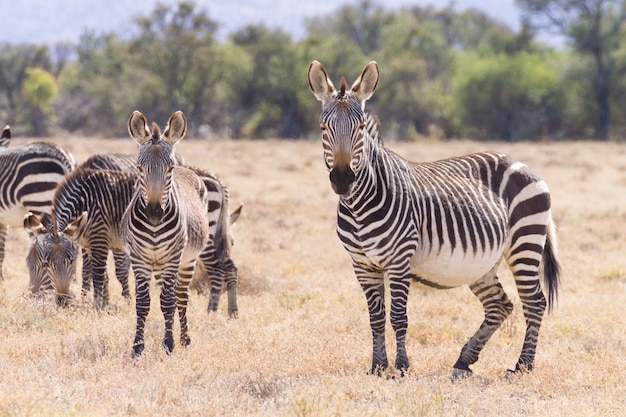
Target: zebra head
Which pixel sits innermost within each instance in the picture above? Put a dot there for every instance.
(51, 260)
(156, 159)
(343, 122)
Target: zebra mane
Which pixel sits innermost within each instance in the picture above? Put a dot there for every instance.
(372, 125)
(156, 133)
(342, 89)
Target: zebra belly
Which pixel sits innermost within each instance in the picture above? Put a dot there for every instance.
(452, 269)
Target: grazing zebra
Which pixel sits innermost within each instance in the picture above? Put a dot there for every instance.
(440, 224)
(28, 177)
(41, 266)
(165, 226)
(87, 209)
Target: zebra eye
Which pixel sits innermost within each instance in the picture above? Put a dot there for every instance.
(323, 126)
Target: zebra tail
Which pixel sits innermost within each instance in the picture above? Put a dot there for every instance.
(222, 234)
(551, 268)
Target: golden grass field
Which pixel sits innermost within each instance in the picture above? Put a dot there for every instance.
(302, 344)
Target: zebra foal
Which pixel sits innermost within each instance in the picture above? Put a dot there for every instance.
(439, 224)
(28, 177)
(165, 226)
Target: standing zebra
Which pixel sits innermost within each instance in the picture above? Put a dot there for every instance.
(440, 224)
(97, 234)
(28, 177)
(165, 226)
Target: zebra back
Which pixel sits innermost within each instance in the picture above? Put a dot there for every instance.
(28, 176)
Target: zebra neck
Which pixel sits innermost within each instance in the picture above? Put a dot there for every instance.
(368, 179)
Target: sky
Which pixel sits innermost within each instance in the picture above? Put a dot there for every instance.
(52, 21)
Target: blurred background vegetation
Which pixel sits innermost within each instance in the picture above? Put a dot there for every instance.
(444, 74)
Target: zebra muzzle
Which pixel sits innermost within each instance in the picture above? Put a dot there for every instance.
(341, 178)
(154, 212)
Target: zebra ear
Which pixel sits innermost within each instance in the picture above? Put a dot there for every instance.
(319, 82)
(176, 128)
(365, 85)
(33, 226)
(138, 127)
(5, 138)
(234, 215)
(72, 228)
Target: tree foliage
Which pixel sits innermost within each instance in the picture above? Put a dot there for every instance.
(593, 27)
(444, 73)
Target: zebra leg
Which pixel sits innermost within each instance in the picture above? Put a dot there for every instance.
(215, 275)
(373, 287)
(142, 306)
(169, 278)
(3, 238)
(497, 308)
(122, 269)
(99, 275)
(534, 305)
(232, 278)
(185, 275)
(87, 272)
(399, 295)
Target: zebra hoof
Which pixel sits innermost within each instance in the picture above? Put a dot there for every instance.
(137, 350)
(377, 370)
(185, 340)
(233, 314)
(459, 374)
(168, 345)
(517, 370)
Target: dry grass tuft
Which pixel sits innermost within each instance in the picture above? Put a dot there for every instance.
(302, 343)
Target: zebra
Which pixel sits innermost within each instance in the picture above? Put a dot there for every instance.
(41, 266)
(439, 224)
(89, 239)
(87, 210)
(165, 226)
(28, 176)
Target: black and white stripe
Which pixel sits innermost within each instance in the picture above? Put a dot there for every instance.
(28, 177)
(440, 224)
(165, 226)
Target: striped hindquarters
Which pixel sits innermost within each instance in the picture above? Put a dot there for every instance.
(28, 176)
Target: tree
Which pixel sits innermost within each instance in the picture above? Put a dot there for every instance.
(509, 97)
(39, 88)
(175, 46)
(361, 24)
(14, 62)
(593, 28)
(270, 96)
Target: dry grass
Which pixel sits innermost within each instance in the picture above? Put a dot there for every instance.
(302, 343)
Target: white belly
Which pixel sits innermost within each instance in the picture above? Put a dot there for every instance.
(454, 268)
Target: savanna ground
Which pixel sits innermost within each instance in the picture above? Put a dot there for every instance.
(302, 344)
